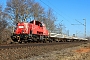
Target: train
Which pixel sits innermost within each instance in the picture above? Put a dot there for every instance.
(35, 31)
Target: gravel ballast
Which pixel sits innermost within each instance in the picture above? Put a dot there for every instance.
(54, 52)
(81, 52)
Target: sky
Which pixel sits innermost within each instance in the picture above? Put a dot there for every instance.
(70, 11)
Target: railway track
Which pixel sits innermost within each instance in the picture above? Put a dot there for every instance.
(21, 51)
(10, 46)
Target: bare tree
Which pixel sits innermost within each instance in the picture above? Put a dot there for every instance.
(19, 10)
(3, 24)
(38, 11)
(50, 20)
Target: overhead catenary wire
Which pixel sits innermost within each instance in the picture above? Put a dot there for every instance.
(58, 9)
(55, 11)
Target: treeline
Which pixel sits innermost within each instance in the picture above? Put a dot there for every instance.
(23, 11)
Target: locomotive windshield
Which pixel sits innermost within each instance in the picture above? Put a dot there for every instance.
(37, 23)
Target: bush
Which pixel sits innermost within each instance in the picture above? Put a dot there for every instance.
(5, 36)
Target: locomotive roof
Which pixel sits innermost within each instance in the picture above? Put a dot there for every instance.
(35, 21)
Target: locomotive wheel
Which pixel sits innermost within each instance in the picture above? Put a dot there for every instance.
(45, 41)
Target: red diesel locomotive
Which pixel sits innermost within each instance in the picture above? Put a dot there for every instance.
(34, 31)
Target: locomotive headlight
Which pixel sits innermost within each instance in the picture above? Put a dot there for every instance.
(23, 32)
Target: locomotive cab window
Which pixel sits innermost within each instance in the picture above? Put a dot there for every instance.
(38, 23)
(31, 22)
(41, 25)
